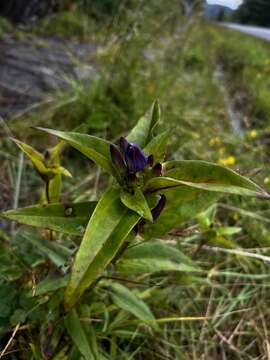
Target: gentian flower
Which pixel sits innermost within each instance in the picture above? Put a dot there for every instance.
(129, 157)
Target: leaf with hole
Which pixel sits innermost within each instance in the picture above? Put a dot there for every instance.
(65, 218)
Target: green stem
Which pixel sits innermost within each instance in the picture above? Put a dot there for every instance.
(47, 194)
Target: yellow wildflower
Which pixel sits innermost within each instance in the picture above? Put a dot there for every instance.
(252, 134)
(214, 141)
(222, 150)
(230, 160)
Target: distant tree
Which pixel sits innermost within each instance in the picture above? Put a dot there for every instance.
(221, 15)
(255, 12)
(188, 6)
(23, 11)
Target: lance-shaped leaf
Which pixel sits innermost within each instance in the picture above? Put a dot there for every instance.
(106, 231)
(127, 300)
(153, 256)
(85, 344)
(93, 147)
(157, 146)
(35, 156)
(142, 133)
(53, 250)
(206, 176)
(137, 202)
(50, 284)
(66, 218)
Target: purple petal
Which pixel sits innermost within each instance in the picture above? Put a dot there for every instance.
(124, 144)
(130, 159)
(159, 207)
(140, 158)
(117, 157)
(135, 158)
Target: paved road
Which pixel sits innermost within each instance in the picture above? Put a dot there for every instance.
(259, 32)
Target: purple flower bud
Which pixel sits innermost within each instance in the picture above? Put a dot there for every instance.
(157, 169)
(124, 144)
(159, 207)
(130, 157)
(135, 158)
(2, 224)
(150, 160)
(117, 157)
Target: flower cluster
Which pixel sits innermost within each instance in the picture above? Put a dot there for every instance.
(129, 160)
(129, 157)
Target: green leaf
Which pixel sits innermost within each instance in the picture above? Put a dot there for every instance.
(65, 218)
(228, 230)
(35, 156)
(185, 191)
(57, 253)
(10, 266)
(155, 114)
(142, 133)
(49, 168)
(206, 176)
(106, 231)
(153, 256)
(51, 284)
(128, 301)
(79, 337)
(157, 146)
(93, 147)
(56, 151)
(19, 316)
(86, 312)
(136, 201)
(207, 217)
(182, 204)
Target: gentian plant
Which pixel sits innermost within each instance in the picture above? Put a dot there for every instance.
(49, 169)
(148, 198)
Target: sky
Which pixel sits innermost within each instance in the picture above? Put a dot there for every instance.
(233, 4)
